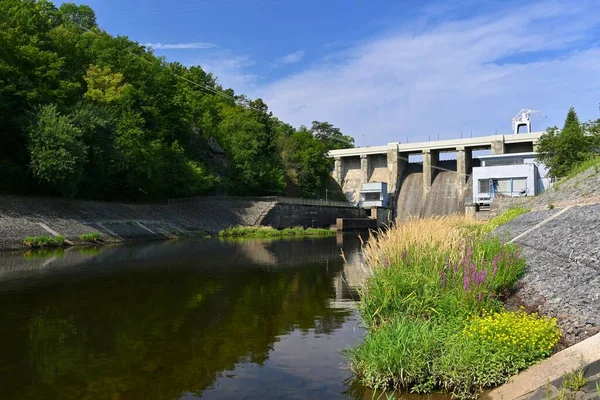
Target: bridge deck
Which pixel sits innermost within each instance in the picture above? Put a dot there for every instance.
(476, 143)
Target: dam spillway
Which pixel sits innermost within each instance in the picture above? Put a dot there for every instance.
(435, 187)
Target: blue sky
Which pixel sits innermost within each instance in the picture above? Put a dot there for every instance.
(384, 70)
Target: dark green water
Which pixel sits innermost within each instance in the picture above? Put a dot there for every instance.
(179, 320)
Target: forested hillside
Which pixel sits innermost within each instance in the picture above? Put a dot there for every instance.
(86, 114)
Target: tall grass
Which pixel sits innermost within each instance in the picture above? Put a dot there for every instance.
(269, 232)
(430, 278)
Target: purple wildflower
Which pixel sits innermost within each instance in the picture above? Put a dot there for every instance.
(443, 276)
(480, 296)
(386, 263)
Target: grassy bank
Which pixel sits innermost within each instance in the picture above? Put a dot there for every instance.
(44, 241)
(434, 314)
(268, 232)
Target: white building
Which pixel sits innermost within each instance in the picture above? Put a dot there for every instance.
(518, 174)
(374, 194)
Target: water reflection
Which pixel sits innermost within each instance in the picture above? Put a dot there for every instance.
(178, 319)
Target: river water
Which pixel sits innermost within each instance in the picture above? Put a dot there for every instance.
(182, 319)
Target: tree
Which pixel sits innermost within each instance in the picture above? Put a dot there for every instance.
(255, 168)
(561, 150)
(331, 136)
(58, 154)
(307, 160)
(104, 85)
(106, 118)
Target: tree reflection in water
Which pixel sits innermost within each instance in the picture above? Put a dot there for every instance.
(157, 321)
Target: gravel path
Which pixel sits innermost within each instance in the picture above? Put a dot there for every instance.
(562, 278)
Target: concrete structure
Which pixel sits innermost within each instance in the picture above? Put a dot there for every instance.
(289, 215)
(355, 224)
(374, 195)
(510, 175)
(389, 163)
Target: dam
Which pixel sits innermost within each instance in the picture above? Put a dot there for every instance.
(423, 188)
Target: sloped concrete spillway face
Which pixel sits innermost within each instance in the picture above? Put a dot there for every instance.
(410, 198)
(445, 196)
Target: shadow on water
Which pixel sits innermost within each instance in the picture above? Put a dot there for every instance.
(179, 320)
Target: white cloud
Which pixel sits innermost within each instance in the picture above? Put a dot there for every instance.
(470, 74)
(180, 46)
(231, 70)
(291, 58)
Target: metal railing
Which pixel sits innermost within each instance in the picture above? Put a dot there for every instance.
(271, 199)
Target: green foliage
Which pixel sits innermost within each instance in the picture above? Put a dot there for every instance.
(527, 336)
(575, 380)
(331, 136)
(44, 241)
(103, 85)
(58, 153)
(433, 313)
(562, 150)
(269, 232)
(90, 237)
(307, 159)
(105, 118)
(505, 217)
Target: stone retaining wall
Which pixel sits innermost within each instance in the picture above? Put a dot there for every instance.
(115, 222)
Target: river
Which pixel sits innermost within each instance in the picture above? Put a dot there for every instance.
(181, 319)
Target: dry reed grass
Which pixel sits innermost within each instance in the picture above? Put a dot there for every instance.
(446, 234)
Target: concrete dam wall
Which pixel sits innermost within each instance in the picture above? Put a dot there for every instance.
(433, 187)
(446, 195)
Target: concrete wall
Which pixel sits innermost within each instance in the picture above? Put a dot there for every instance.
(289, 215)
(352, 178)
(117, 222)
(378, 168)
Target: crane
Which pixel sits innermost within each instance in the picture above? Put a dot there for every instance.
(523, 118)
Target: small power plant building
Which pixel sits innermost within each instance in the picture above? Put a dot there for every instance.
(373, 194)
(512, 175)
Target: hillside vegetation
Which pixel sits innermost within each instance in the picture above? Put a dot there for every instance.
(87, 114)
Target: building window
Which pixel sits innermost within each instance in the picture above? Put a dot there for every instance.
(484, 186)
(519, 185)
(372, 197)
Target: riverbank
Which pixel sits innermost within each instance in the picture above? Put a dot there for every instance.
(562, 275)
(434, 314)
(22, 217)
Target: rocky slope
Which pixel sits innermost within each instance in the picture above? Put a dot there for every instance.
(562, 278)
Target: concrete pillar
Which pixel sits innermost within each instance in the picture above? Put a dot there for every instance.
(430, 160)
(392, 164)
(463, 164)
(364, 169)
(498, 146)
(337, 171)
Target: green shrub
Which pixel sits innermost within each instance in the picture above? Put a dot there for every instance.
(267, 231)
(44, 241)
(90, 237)
(528, 337)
